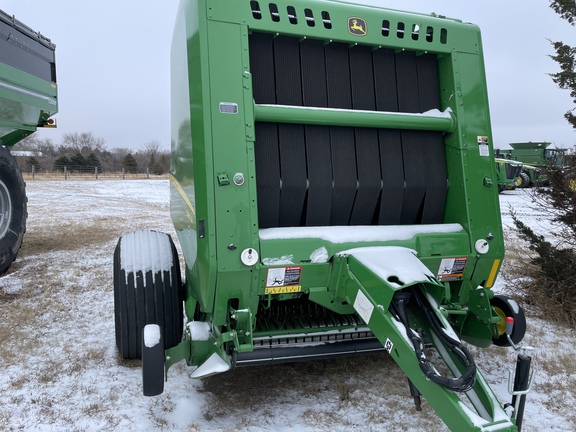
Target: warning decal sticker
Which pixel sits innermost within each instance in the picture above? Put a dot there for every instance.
(363, 306)
(451, 269)
(283, 280)
(483, 146)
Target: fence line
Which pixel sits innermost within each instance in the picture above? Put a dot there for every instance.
(94, 175)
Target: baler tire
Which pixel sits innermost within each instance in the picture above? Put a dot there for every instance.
(152, 362)
(143, 296)
(13, 209)
(507, 307)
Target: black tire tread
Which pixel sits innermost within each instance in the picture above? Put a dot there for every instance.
(142, 298)
(519, 330)
(11, 176)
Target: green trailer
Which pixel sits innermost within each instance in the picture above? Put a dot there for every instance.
(334, 192)
(28, 98)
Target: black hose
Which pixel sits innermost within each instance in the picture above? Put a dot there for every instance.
(462, 383)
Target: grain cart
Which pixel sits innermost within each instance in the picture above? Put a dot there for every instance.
(334, 192)
(28, 98)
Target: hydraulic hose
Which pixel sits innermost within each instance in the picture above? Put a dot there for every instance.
(462, 383)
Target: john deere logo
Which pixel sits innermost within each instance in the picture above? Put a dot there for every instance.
(357, 26)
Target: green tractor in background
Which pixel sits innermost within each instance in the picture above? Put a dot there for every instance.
(508, 173)
(534, 156)
(334, 192)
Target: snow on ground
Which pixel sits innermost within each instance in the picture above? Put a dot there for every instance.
(59, 369)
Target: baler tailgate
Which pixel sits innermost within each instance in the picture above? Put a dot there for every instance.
(377, 278)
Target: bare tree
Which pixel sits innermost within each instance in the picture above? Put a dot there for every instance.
(151, 149)
(155, 156)
(83, 143)
(40, 146)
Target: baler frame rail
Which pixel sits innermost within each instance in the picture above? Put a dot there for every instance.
(432, 120)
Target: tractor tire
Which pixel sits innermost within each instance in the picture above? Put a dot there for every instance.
(507, 307)
(147, 290)
(523, 180)
(13, 209)
(152, 361)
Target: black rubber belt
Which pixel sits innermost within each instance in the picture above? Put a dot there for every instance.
(342, 138)
(367, 149)
(319, 200)
(291, 136)
(428, 85)
(267, 156)
(413, 149)
(391, 163)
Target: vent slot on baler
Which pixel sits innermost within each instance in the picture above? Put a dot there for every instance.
(316, 175)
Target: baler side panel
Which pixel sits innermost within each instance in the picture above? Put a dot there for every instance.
(472, 196)
(192, 165)
(235, 209)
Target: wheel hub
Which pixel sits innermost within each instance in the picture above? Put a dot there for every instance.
(5, 209)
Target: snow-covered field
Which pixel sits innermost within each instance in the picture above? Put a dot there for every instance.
(59, 370)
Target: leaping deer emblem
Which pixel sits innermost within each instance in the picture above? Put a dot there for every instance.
(357, 26)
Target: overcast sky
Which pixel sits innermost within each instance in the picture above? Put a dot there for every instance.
(113, 60)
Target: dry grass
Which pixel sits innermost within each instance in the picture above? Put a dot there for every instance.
(336, 384)
(526, 283)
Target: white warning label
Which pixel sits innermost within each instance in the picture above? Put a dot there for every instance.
(363, 306)
(483, 146)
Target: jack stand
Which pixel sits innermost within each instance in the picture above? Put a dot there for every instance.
(416, 395)
(521, 385)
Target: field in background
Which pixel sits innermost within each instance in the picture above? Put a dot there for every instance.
(59, 369)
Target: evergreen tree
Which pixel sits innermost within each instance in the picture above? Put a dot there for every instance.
(61, 162)
(129, 164)
(78, 162)
(566, 9)
(92, 162)
(552, 285)
(32, 162)
(565, 56)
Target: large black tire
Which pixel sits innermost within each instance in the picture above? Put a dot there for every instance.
(147, 290)
(13, 211)
(507, 307)
(523, 180)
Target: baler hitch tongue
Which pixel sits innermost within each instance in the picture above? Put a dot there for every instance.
(395, 293)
